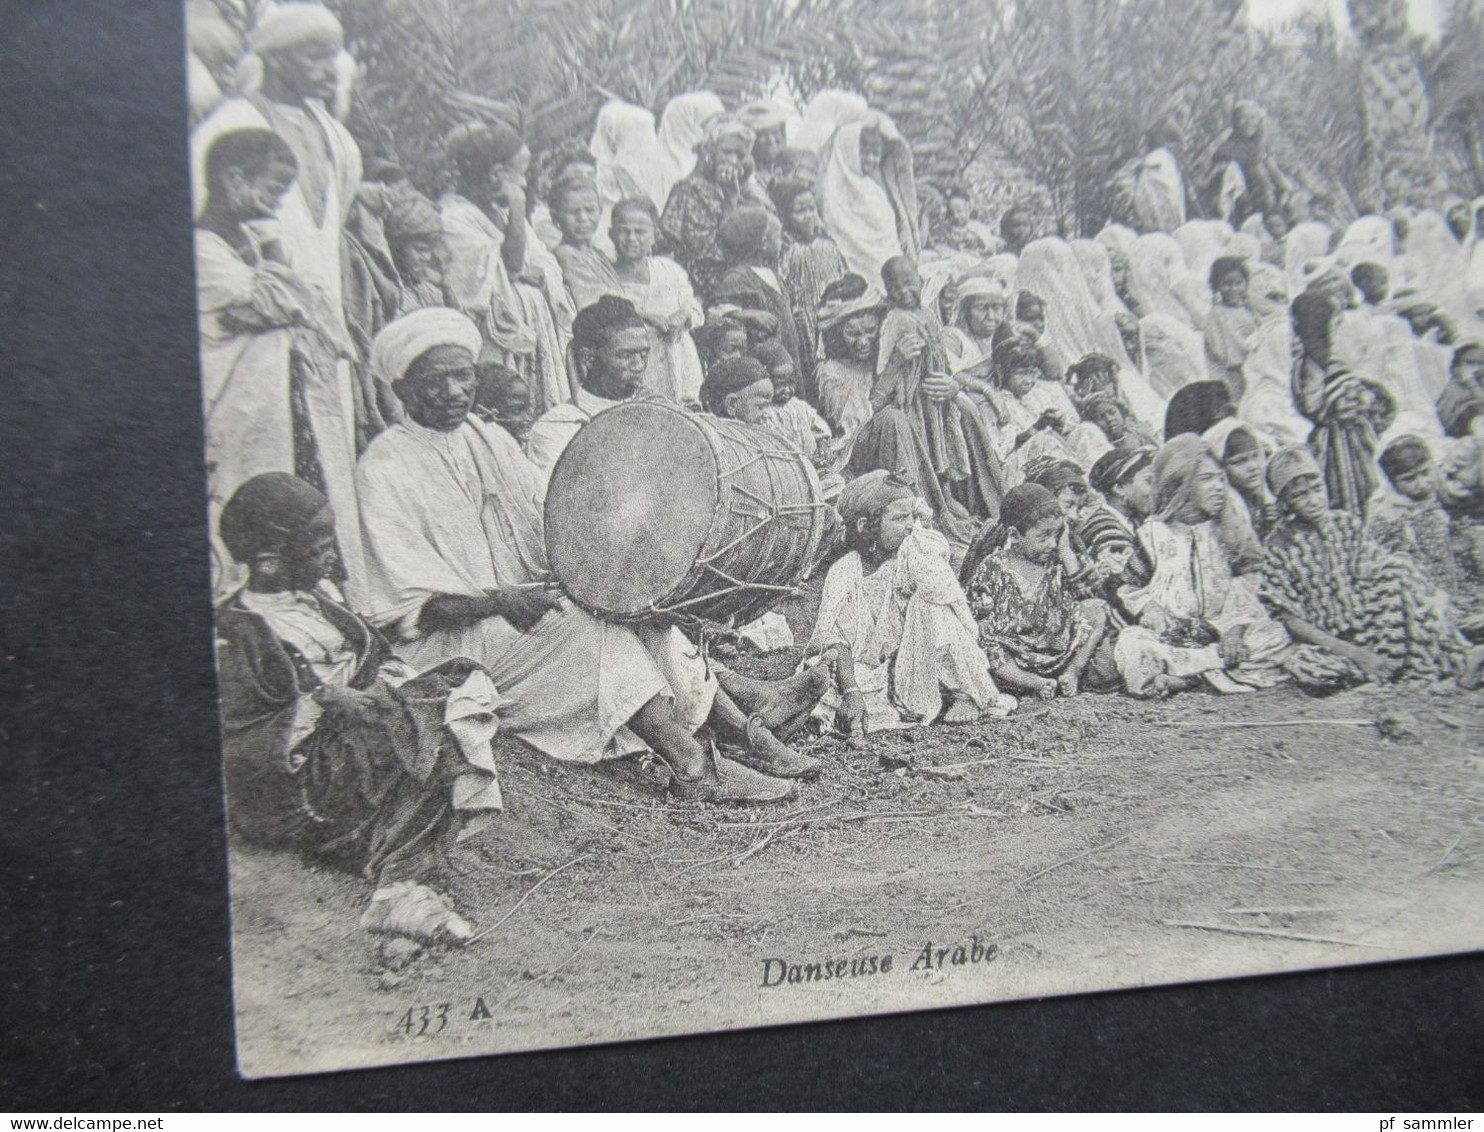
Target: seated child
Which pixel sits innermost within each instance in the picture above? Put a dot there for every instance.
(896, 619)
(1039, 636)
(331, 745)
(1374, 615)
(1408, 518)
(1036, 417)
(797, 421)
(587, 273)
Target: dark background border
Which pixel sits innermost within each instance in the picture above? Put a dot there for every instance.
(114, 988)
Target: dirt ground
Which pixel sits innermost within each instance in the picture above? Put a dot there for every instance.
(1090, 843)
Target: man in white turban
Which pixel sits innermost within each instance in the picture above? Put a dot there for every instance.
(298, 45)
(455, 542)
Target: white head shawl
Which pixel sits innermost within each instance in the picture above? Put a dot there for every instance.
(290, 24)
(1161, 283)
(682, 125)
(627, 152)
(1307, 242)
(1436, 265)
(1202, 242)
(1097, 269)
(1174, 353)
(1117, 236)
(1369, 239)
(870, 220)
(1075, 327)
(404, 340)
(826, 112)
(1002, 266)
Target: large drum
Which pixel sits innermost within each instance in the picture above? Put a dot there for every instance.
(655, 511)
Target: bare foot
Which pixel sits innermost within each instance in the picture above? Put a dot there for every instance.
(1046, 689)
(1163, 686)
(1069, 683)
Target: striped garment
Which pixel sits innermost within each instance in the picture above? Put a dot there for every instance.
(1340, 580)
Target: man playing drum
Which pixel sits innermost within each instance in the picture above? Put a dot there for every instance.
(453, 514)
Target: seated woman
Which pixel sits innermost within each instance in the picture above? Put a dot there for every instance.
(1375, 614)
(981, 311)
(331, 746)
(1039, 636)
(849, 321)
(751, 238)
(897, 621)
(1245, 461)
(1198, 620)
(1408, 517)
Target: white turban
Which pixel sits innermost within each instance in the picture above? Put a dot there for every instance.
(290, 24)
(408, 338)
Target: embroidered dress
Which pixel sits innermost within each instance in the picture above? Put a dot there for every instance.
(1038, 627)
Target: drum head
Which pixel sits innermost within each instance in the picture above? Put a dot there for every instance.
(629, 507)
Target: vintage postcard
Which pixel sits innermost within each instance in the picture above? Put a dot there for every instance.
(734, 512)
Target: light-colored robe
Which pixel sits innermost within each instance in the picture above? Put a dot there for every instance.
(460, 513)
(334, 403)
(910, 633)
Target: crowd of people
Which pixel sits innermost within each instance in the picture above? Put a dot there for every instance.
(1208, 452)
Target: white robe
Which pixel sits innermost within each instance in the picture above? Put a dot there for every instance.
(460, 513)
(910, 633)
(313, 249)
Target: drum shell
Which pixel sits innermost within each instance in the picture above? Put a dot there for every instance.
(722, 522)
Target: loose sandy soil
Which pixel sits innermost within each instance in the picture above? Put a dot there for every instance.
(1074, 845)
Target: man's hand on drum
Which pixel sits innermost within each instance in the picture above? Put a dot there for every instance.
(523, 608)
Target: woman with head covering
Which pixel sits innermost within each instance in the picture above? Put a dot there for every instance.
(1408, 518)
(1307, 243)
(628, 157)
(699, 202)
(1198, 619)
(1039, 635)
(1244, 458)
(682, 126)
(896, 618)
(488, 240)
(331, 746)
(849, 321)
(1160, 282)
(867, 193)
(1375, 614)
(1349, 412)
(1075, 326)
(912, 374)
(1202, 243)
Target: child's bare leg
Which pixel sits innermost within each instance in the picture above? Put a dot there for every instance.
(1009, 674)
(1094, 615)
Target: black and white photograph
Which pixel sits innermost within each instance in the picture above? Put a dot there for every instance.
(738, 512)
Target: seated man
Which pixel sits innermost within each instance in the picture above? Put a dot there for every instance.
(896, 619)
(457, 547)
(331, 745)
(610, 354)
